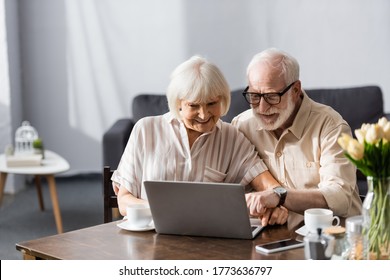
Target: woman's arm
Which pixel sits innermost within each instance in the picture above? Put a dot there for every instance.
(125, 198)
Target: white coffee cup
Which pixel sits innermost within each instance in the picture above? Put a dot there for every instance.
(320, 218)
(138, 215)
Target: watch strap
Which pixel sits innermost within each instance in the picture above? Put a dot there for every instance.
(282, 195)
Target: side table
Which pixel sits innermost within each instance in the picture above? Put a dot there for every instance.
(52, 164)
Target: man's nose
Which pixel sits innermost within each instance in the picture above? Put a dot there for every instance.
(263, 105)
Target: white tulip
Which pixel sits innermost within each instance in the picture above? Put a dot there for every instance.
(365, 127)
(344, 141)
(374, 133)
(382, 122)
(386, 131)
(360, 135)
(355, 149)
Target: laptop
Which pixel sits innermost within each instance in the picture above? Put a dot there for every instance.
(200, 209)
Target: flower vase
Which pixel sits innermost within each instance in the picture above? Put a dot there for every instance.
(376, 218)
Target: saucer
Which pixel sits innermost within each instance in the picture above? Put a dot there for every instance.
(302, 231)
(126, 226)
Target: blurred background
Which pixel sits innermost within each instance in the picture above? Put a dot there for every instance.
(72, 67)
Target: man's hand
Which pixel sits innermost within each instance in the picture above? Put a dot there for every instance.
(259, 202)
(263, 205)
(274, 216)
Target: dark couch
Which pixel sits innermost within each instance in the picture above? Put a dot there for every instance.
(357, 105)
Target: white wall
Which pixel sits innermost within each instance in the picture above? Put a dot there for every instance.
(10, 84)
(338, 43)
(83, 61)
(5, 93)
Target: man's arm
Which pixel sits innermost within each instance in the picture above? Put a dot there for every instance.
(264, 181)
(296, 200)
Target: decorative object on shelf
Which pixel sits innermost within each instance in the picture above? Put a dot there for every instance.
(24, 138)
(370, 152)
(20, 160)
(24, 154)
(38, 147)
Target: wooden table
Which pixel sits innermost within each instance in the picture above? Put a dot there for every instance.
(108, 241)
(51, 165)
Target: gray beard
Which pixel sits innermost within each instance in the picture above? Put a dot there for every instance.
(284, 115)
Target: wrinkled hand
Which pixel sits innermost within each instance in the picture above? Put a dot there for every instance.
(274, 216)
(263, 205)
(258, 202)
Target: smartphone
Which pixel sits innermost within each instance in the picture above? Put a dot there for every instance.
(278, 246)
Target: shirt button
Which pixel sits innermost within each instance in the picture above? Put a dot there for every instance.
(278, 154)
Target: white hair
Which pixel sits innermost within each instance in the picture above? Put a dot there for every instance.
(197, 80)
(288, 65)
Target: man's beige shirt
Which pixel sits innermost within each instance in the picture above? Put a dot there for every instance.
(307, 154)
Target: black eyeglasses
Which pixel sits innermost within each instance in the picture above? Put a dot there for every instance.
(273, 98)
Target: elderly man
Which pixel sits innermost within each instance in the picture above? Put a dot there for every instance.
(297, 139)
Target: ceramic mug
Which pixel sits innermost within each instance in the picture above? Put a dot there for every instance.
(138, 215)
(319, 218)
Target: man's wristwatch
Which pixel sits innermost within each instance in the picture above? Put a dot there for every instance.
(282, 193)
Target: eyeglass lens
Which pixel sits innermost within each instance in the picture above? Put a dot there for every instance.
(270, 98)
(254, 98)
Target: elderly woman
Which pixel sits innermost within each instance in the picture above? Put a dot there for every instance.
(190, 142)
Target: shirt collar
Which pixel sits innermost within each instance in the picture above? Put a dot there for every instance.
(302, 116)
(169, 117)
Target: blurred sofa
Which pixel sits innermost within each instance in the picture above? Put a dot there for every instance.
(357, 105)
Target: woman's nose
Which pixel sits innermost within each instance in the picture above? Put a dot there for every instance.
(203, 112)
